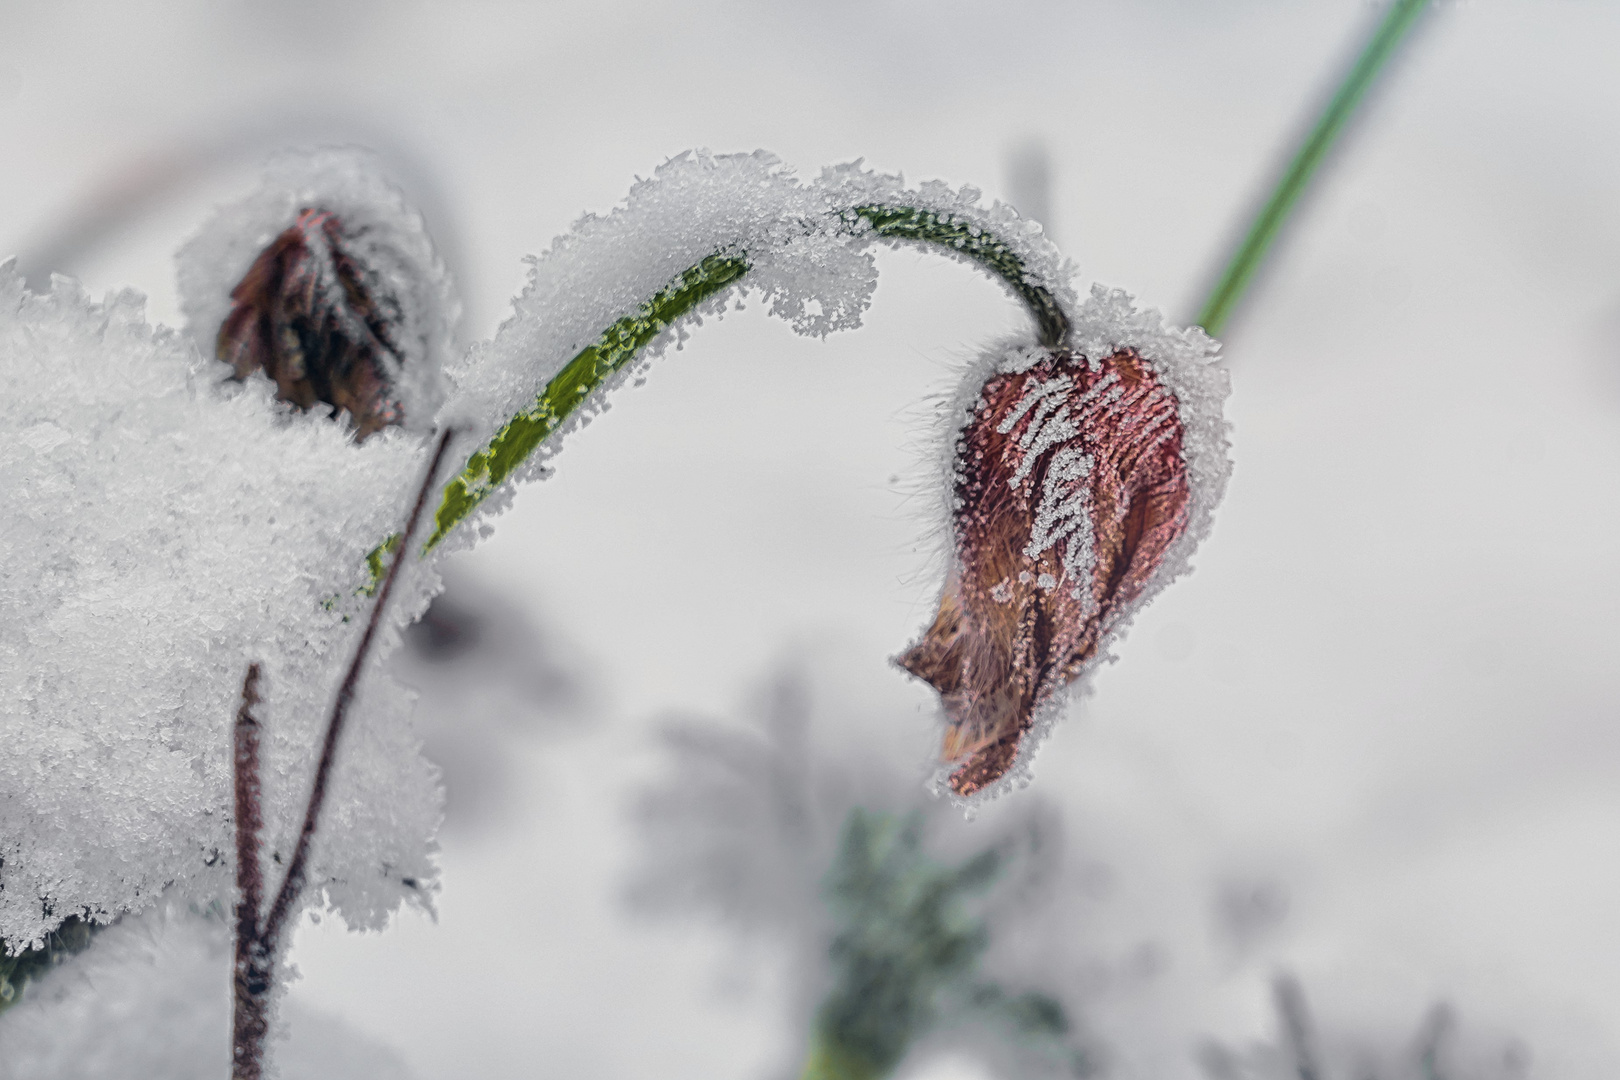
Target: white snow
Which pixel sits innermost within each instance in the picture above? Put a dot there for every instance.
(164, 529)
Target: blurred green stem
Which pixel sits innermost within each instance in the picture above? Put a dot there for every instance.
(1402, 15)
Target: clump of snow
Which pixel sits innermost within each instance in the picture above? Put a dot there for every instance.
(164, 529)
(696, 205)
(383, 232)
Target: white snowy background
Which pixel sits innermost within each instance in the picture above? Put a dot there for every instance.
(1386, 700)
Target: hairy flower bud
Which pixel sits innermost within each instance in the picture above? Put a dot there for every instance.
(321, 324)
(1070, 487)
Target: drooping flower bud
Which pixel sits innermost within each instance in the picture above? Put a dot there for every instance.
(1070, 488)
(321, 324)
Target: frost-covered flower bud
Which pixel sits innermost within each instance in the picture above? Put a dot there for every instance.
(321, 325)
(326, 281)
(1070, 488)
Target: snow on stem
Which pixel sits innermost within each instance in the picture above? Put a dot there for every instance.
(625, 339)
(983, 247)
(618, 346)
(741, 221)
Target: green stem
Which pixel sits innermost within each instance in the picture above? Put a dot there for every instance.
(985, 248)
(1252, 252)
(617, 346)
(621, 342)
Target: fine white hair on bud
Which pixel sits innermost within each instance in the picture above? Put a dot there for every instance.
(1080, 479)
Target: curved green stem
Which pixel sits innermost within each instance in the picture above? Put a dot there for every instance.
(620, 343)
(985, 248)
(617, 346)
(1252, 252)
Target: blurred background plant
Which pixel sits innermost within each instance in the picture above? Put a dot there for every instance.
(764, 831)
(912, 936)
(1434, 1050)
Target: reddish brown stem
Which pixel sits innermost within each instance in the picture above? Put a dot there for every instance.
(258, 942)
(250, 1017)
(294, 884)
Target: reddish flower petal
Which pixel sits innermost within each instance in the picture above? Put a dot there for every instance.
(318, 323)
(1070, 488)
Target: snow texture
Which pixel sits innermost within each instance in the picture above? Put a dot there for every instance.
(1186, 363)
(163, 529)
(153, 999)
(696, 205)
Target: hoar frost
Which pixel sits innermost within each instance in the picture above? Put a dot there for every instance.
(166, 526)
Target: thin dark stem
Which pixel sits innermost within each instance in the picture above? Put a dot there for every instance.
(258, 936)
(249, 807)
(250, 1019)
(296, 869)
